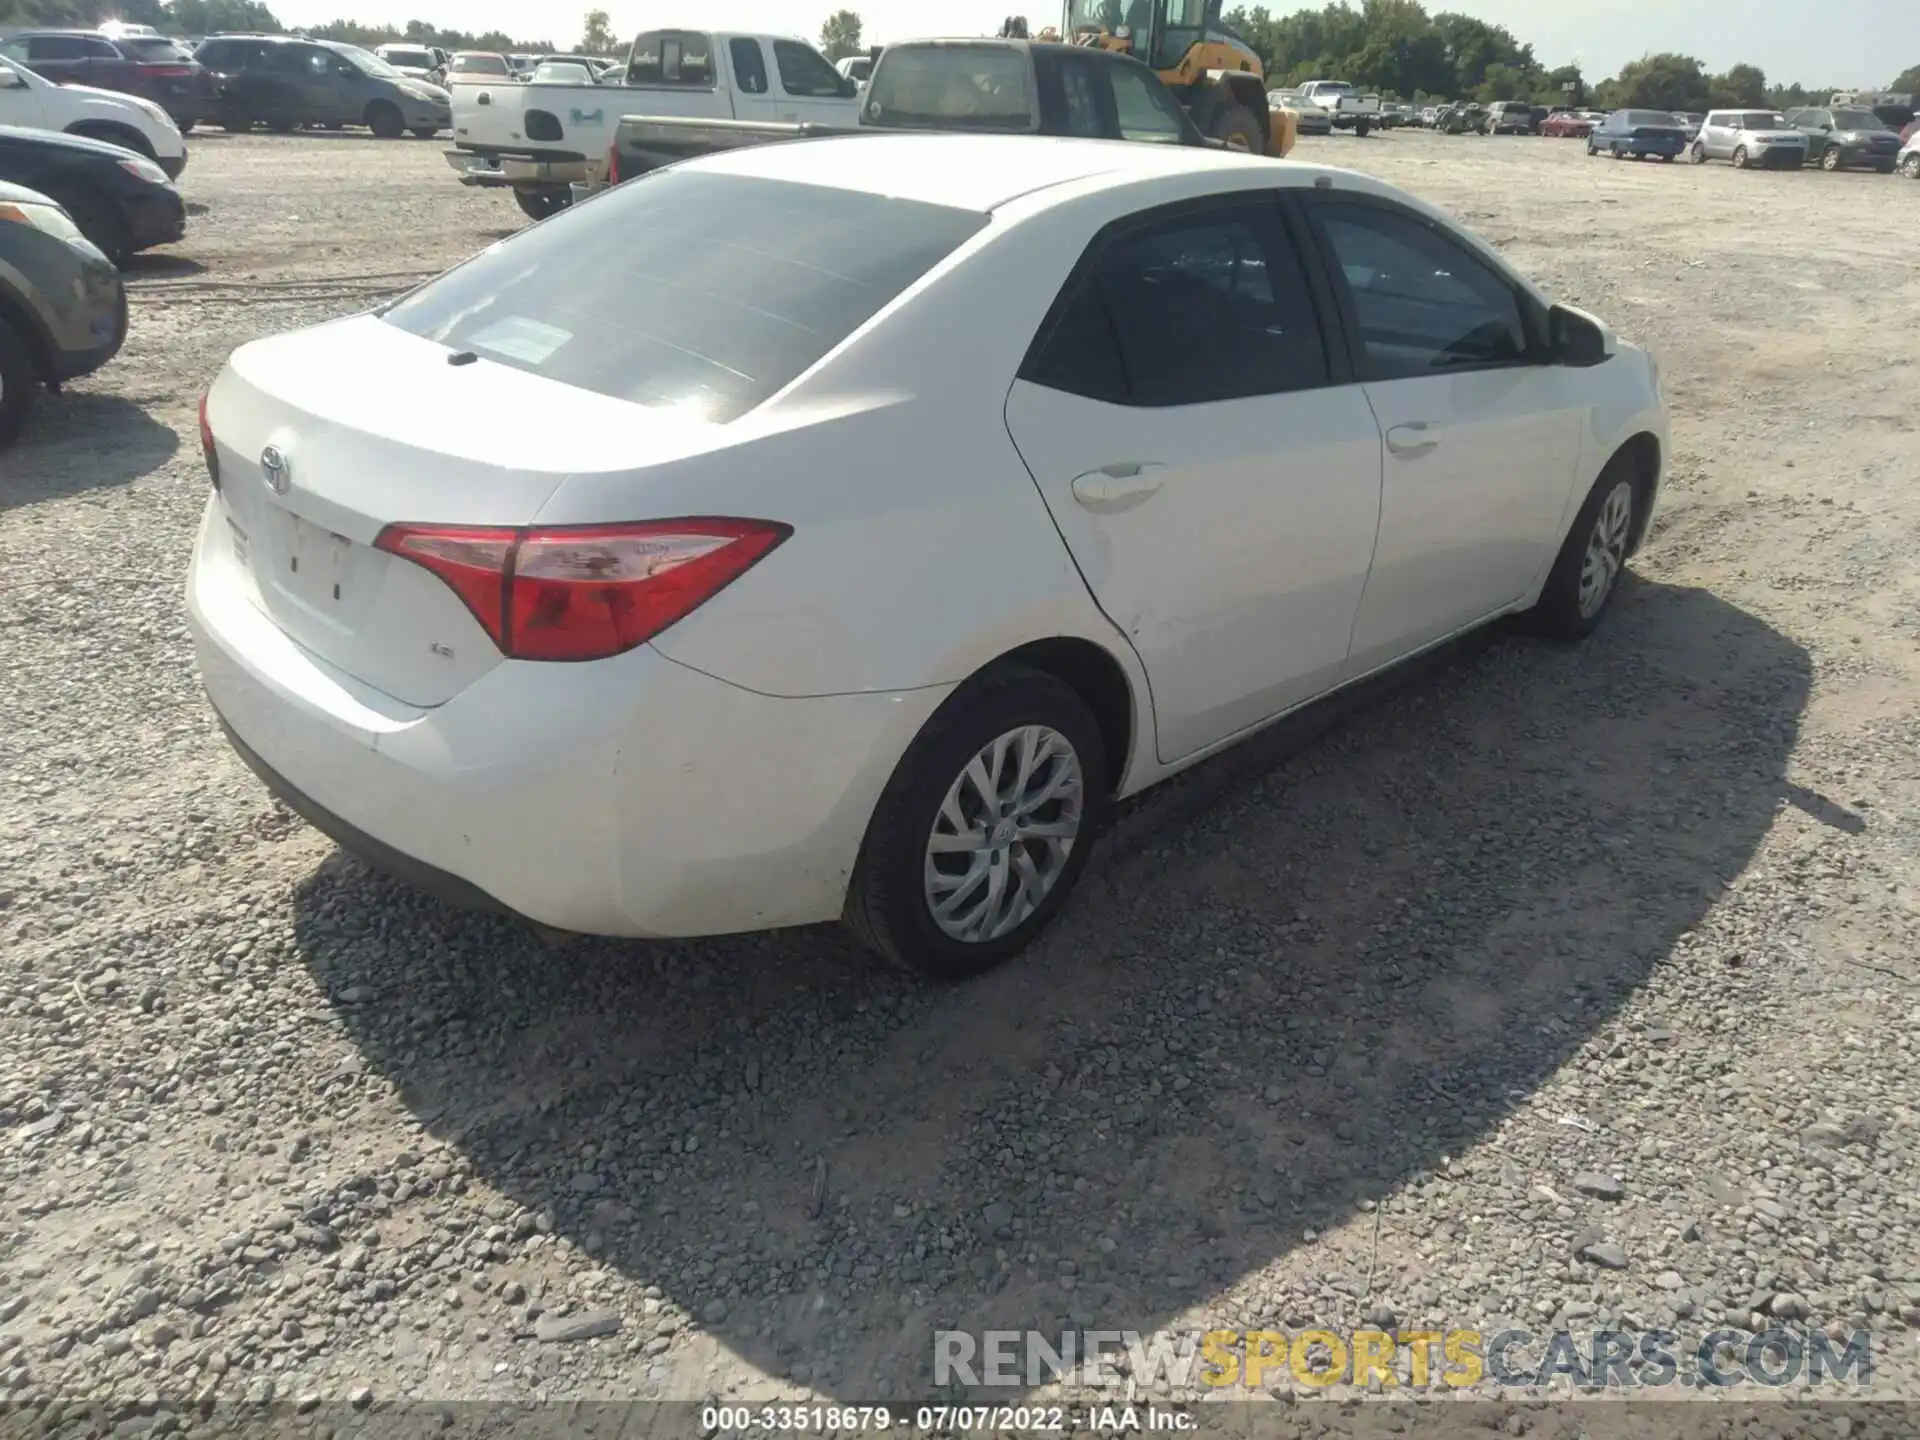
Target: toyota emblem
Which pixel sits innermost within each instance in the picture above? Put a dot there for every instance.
(273, 466)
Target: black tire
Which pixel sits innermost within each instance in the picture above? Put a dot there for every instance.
(235, 120)
(100, 220)
(1559, 613)
(19, 379)
(1361, 128)
(1235, 125)
(887, 902)
(1910, 167)
(1698, 154)
(124, 137)
(385, 120)
(1740, 157)
(185, 127)
(425, 132)
(1831, 158)
(281, 127)
(1666, 159)
(540, 204)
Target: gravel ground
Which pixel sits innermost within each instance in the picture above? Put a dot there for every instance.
(1553, 987)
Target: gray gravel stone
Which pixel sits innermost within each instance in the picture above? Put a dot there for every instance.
(582, 1325)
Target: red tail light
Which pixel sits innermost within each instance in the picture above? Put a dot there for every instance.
(584, 592)
(613, 166)
(166, 72)
(207, 447)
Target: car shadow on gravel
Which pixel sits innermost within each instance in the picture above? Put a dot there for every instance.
(82, 440)
(1296, 983)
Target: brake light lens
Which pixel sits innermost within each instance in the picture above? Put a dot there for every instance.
(166, 72)
(207, 448)
(584, 592)
(613, 165)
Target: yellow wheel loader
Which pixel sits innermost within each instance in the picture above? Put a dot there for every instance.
(1209, 69)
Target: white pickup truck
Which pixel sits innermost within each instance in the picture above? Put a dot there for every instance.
(1350, 109)
(539, 139)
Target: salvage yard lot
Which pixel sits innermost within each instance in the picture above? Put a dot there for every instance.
(1326, 1037)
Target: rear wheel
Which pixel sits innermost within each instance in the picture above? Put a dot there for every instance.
(1361, 127)
(1236, 126)
(1740, 157)
(424, 132)
(1830, 158)
(19, 379)
(235, 120)
(1910, 167)
(539, 204)
(984, 828)
(281, 127)
(385, 120)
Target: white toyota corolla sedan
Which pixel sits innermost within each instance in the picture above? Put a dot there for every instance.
(835, 529)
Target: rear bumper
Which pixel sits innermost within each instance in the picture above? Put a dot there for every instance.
(628, 797)
(507, 171)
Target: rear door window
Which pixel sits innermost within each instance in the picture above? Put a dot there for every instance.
(749, 65)
(1145, 109)
(698, 292)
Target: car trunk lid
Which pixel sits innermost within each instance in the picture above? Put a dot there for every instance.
(326, 437)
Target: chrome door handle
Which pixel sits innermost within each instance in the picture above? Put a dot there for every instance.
(1416, 438)
(1118, 487)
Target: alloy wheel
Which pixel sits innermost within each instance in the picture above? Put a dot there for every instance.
(1003, 834)
(1606, 549)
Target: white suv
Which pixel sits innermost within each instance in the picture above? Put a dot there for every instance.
(1750, 137)
(36, 103)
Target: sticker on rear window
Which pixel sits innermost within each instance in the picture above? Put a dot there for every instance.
(525, 340)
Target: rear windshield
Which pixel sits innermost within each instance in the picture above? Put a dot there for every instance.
(480, 64)
(417, 59)
(705, 293)
(1652, 117)
(972, 87)
(154, 48)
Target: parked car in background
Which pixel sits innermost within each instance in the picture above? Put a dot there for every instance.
(63, 310)
(539, 140)
(1467, 119)
(1428, 115)
(1310, 117)
(1507, 117)
(1909, 158)
(565, 70)
(1350, 109)
(122, 201)
(286, 82)
(704, 586)
(1568, 125)
(415, 62)
(523, 65)
(1844, 137)
(1638, 134)
(1690, 123)
(478, 67)
(142, 126)
(1750, 137)
(150, 66)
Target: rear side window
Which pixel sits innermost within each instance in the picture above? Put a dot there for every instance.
(1145, 109)
(672, 57)
(704, 293)
(972, 87)
(1205, 306)
(749, 66)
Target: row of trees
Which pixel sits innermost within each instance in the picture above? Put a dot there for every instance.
(205, 17)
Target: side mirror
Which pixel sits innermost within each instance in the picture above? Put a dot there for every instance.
(1577, 338)
(849, 87)
(12, 80)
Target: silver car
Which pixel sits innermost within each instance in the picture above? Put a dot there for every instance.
(1750, 138)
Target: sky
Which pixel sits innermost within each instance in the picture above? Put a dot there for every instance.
(1858, 43)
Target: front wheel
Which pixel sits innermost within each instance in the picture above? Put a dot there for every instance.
(1361, 128)
(1910, 167)
(984, 828)
(1740, 158)
(1830, 158)
(1699, 155)
(1586, 574)
(385, 120)
(235, 120)
(424, 132)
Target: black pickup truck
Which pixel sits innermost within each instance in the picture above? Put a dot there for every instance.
(1013, 87)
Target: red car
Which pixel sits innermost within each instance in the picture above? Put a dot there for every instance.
(1568, 125)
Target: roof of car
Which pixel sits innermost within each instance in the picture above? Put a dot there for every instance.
(975, 172)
